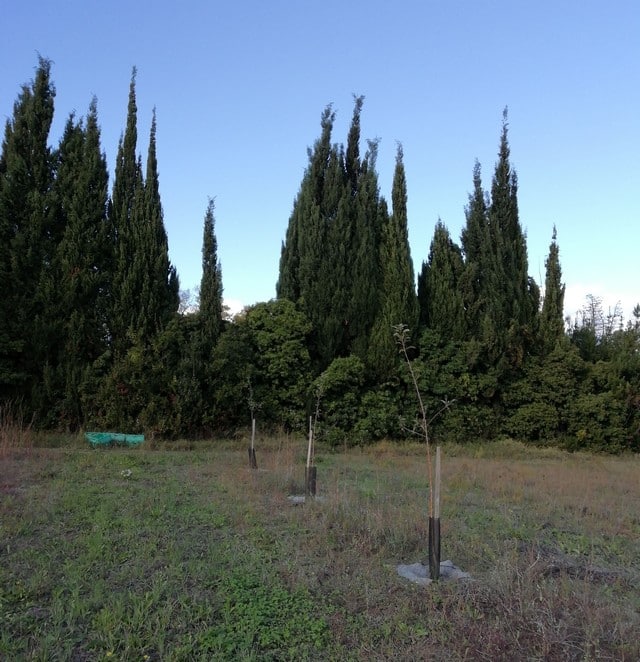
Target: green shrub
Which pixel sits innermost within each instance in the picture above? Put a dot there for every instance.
(534, 422)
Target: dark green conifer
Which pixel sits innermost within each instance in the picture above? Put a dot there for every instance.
(127, 170)
(500, 299)
(364, 277)
(84, 262)
(329, 262)
(476, 249)
(511, 298)
(301, 253)
(441, 298)
(145, 283)
(127, 184)
(28, 236)
(352, 164)
(330, 289)
(552, 315)
(161, 279)
(308, 258)
(210, 309)
(398, 303)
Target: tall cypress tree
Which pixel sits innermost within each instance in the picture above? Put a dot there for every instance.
(552, 315)
(127, 184)
(127, 171)
(305, 265)
(210, 309)
(28, 235)
(330, 291)
(476, 249)
(398, 304)
(145, 283)
(442, 304)
(181, 356)
(145, 286)
(160, 282)
(352, 164)
(329, 262)
(512, 299)
(302, 251)
(500, 299)
(84, 262)
(363, 268)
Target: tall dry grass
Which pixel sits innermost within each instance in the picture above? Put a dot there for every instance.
(15, 433)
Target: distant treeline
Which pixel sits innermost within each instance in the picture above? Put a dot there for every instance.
(92, 334)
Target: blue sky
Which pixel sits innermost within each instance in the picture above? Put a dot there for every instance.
(239, 88)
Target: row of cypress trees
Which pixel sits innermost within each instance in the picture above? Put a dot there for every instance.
(89, 287)
(91, 336)
(346, 259)
(346, 262)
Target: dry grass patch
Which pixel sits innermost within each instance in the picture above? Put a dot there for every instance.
(15, 434)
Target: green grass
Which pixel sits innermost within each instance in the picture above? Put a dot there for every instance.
(164, 554)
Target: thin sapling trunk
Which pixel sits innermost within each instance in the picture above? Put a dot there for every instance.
(253, 406)
(401, 333)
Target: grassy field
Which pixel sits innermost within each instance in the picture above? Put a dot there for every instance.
(184, 553)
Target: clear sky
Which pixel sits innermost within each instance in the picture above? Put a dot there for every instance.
(239, 88)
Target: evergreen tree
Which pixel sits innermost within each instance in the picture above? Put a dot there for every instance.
(352, 165)
(83, 262)
(305, 265)
(199, 336)
(331, 288)
(329, 262)
(146, 286)
(398, 303)
(364, 278)
(160, 285)
(441, 299)
(500, 299)
(28, 236)
(127, 170)
(211, 282)
(127, 183)
(510, 296)
(301, 253)
(476, 248)
(552, 315)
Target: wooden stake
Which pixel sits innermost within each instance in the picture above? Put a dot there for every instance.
(434, 525)
(310, 476)
(310, 470)
(253, 463)
(253, 432)
(436, 505)
(310, 448)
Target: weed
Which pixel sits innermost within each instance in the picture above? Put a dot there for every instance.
(265, 620)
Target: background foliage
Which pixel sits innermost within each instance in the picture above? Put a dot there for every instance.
(92, 333)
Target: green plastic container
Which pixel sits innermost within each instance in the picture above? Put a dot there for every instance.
(113, 439)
